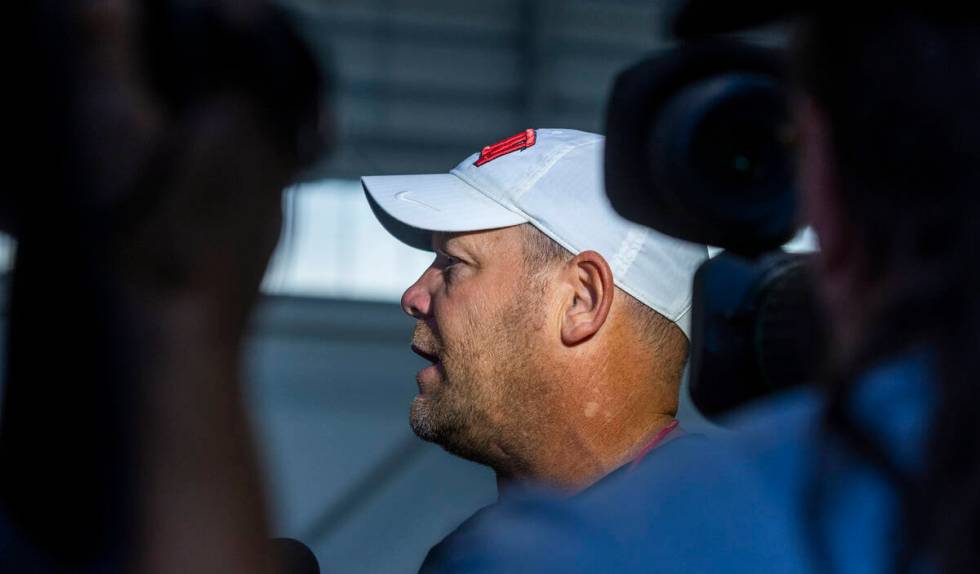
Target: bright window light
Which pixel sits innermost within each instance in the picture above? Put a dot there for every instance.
(333, 246)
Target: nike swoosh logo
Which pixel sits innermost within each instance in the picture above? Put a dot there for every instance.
(406, 196)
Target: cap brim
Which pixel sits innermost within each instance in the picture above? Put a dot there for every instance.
(411, 207)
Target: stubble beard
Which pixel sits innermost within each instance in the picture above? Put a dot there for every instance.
(481, 396)
(456, 414)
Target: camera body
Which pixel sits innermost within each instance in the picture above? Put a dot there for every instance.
(700, 146)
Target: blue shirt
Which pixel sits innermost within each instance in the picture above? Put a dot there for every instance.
(738, 504)
(467, 534)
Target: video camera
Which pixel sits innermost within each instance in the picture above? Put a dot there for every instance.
(700, 146)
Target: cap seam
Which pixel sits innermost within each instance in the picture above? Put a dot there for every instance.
(616, 278)
(632, 244)
(531, 180)
(514, 209)
(550, 164)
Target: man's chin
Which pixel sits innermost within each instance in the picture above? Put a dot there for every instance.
(421, 419)
(430, 423)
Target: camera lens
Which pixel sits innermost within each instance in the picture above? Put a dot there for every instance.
(699, 146)
(735, 146)
(719, 152)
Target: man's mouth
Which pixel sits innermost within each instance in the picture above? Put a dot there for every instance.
(427, 355)
(429, 377)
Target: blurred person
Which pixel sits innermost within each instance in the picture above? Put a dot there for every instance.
(879, 470)
(557, 331)
(152, 210)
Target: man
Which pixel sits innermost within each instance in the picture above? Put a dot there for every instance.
(881, 473)
(557, 331)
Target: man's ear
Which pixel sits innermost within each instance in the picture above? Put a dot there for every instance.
(592, 291)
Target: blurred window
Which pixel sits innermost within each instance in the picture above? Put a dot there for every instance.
(804, 242)
(7, 248)
(333, 246)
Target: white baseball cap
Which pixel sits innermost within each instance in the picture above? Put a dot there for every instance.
(552, 179)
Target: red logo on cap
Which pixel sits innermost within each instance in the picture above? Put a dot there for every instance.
(521, 141)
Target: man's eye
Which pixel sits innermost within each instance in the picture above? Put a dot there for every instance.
(449, 268)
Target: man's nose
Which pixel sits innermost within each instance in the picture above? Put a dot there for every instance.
(416, 300)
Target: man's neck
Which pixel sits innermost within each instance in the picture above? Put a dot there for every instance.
(574, 470)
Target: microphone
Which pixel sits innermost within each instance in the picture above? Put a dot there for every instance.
(293, 557)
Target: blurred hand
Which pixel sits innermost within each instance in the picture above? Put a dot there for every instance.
(213, 220)
(189, 187)
(194, 195)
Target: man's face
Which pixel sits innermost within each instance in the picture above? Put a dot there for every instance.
(480, 321)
